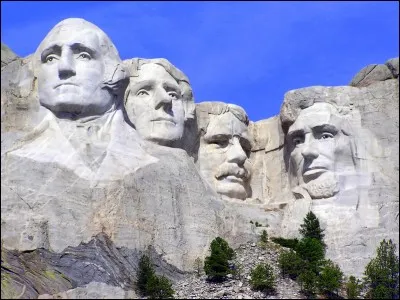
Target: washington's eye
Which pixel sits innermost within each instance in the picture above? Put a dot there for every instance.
(326, 135)
(297, 140)
(50, 58)
(84, 56)
(142, 93)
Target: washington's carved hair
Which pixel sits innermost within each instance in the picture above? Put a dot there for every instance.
(134, 65)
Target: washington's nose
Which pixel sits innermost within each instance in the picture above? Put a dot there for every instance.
(310, 151)
(162, 99)
(236, 153)
(66, 66)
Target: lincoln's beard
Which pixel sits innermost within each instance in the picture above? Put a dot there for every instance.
(325, 186)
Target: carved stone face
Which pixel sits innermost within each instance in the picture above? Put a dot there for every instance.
(223, 156)
(319, 150)
(155, 106)
(71, 72)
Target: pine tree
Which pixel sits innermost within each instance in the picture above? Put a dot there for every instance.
(330, 278)
(216, 266)
(312, 252)
(159, 287)
(264, 236)
(144, 274)
(382, 272)
(311, 228)
(353, 288)
(262, 278)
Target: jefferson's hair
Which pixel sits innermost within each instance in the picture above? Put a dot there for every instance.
(134, 65)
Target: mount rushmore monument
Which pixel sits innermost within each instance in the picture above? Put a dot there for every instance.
(103, 159)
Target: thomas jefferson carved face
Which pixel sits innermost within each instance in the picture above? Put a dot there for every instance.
(155, 105)
(319, 150)
(72, 70)
(223, 156)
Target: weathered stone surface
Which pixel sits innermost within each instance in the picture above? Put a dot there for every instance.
(393, 65)
(93, 290)
(371, 74)
(7, 55)
(85, 193)
(356, 195)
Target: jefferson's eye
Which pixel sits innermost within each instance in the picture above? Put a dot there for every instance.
(142, 93)
(173, 95)
(297, 140)
(84, 56)
(326, 135)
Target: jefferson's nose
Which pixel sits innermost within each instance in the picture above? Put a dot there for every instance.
(236, 153)
(162, 99)
(66, 66)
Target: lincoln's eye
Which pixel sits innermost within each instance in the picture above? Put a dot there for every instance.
(297, 140)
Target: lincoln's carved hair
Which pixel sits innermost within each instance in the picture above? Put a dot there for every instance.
(115, 75)
(133, 65)
(297, 100)
(204, 109)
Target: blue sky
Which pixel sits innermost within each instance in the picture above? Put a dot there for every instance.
(247, 53)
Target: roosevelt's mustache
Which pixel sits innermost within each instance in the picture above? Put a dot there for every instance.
(228, 169)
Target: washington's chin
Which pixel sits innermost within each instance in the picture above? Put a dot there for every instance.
(162, 132)
(232, 189)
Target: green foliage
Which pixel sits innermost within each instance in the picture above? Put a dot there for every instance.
(159, 287)
(145, 272)
(216, 265)
(198, 266)
(288, 243)
(330, 278)
(290, 264)
(264, 236)
(262, 278)
(149, 284)
(251, 222)
(238, 269)
(353, 288)
(382, 273)
(258, 224)
(311, 229)
(312, 252)
(308, 282)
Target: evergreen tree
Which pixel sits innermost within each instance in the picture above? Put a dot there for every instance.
(216, 266)
(159, 287)
(330, 278)
(291, 264)
(262, 278)
(353, 288)
(145, 272)
(312, 252)
(308, 282)
(311, 228)
(382, 273)
(264, 236)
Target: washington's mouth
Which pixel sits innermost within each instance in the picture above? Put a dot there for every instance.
(233, 178)
(166, 120)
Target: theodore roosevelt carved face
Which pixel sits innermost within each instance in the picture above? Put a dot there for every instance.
(224, 148)
(158, 100)
(73, 67)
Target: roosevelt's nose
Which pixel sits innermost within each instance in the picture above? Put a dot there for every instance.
(236, 153)
(66, 66)
(162, 100)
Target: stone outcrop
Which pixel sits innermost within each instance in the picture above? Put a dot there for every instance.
(91, 182)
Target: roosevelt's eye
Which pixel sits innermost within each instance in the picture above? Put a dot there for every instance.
(220, 143)
(326, 135)
(50, 58)
(84, 56)
(142, 93)
(297, 140)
